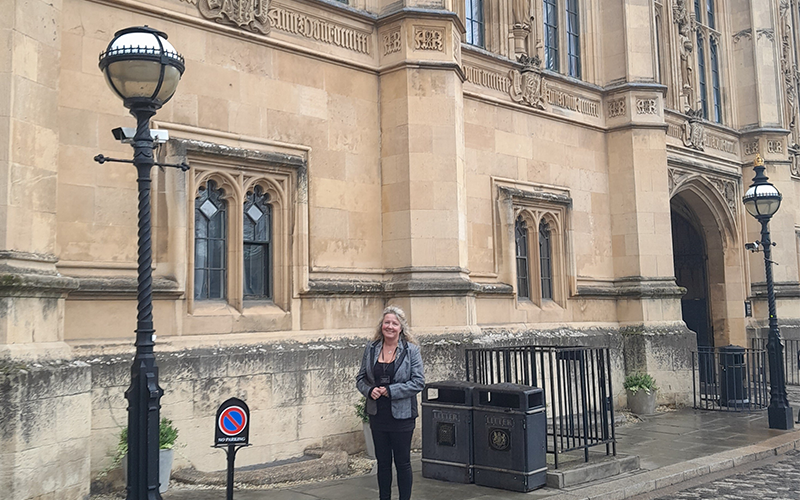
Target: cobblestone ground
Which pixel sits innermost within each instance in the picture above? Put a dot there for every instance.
(776, 481)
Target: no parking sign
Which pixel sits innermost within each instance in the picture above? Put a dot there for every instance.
(232, 423)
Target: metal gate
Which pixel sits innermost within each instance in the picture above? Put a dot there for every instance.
(577, 387)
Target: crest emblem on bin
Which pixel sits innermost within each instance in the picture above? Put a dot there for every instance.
(499, 439)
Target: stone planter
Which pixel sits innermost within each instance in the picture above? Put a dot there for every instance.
(368, 440)
(164, 468)
(642, 403)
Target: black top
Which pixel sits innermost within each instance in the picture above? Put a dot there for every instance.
(384, 420)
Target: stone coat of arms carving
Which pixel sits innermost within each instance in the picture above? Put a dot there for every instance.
(248, 14)
(528, 85)
(694, 132)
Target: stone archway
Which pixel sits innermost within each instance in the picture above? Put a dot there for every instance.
(708, 257)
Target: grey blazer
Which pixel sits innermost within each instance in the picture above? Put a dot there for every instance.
(409, 378)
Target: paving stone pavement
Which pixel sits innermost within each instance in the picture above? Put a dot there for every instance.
(776, 481)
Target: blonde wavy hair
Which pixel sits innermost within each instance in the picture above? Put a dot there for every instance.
(401, 317)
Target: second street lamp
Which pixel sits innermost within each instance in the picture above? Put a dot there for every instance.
(143, 69)
(762, 201)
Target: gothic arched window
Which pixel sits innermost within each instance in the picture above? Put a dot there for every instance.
(210, 243)
(708, 61)
(257, 245)
(546, 260)
(521, 238)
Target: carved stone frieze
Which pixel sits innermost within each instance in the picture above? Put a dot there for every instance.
(258, 17)
(647, 106)
(319, 29)
(391, 41)
(426, 38)
(713, 141)
(528, 84)
(251, 15)
(775, 147)
(616, 107)
(751, 148)
(489, 79)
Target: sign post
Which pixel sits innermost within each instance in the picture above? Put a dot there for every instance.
(232, 433)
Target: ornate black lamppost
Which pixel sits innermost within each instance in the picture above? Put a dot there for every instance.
(143, 69)
(762, 200)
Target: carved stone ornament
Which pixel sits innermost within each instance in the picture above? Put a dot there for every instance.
(680, 12)
(769, 33)
(392, 42)
(521, 12)
(616, 108)
(428, 39)
(794, 156)
(647, 106)
(528, 85)
(746, 33)
(694, 131)
(247, 14)
(788, 69)
(727, 188)
(676, 178)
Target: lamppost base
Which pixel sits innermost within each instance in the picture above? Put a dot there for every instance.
(780, 418)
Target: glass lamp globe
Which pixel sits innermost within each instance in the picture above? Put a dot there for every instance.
(141, 66)
(762, 199)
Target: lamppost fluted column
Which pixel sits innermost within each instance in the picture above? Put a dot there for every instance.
(144, 393)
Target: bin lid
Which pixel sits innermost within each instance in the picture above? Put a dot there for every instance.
(451, 392)
(509, 396)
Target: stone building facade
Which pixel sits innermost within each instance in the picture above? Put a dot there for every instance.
(507, 171)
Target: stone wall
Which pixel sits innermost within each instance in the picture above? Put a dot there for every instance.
(60, 422)
(45, 430)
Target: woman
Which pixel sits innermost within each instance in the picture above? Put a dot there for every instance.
(390, 378)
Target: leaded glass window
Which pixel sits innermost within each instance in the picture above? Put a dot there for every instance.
(701, 74)
(257, 245)
(709, 79)
(573, 38)
(716, 94)
(210, 243)
(551, 35)
(521, 238)
(474, 22)
(545, 260)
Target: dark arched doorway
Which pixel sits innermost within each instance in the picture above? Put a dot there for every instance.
(690, 256)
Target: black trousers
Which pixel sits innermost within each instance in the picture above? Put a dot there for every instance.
(398, 444)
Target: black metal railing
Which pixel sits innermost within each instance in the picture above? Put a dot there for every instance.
(577, 387)
(791, 358)
(730, 379)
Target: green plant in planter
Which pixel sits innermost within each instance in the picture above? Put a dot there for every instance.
(361, 410)
(167, 435)
(640, 381)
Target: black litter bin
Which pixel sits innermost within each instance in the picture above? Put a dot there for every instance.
(733, 373)
(510, 428)
(447, 431)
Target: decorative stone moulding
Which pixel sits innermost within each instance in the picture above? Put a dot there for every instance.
(392, 41)
(428, 38)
